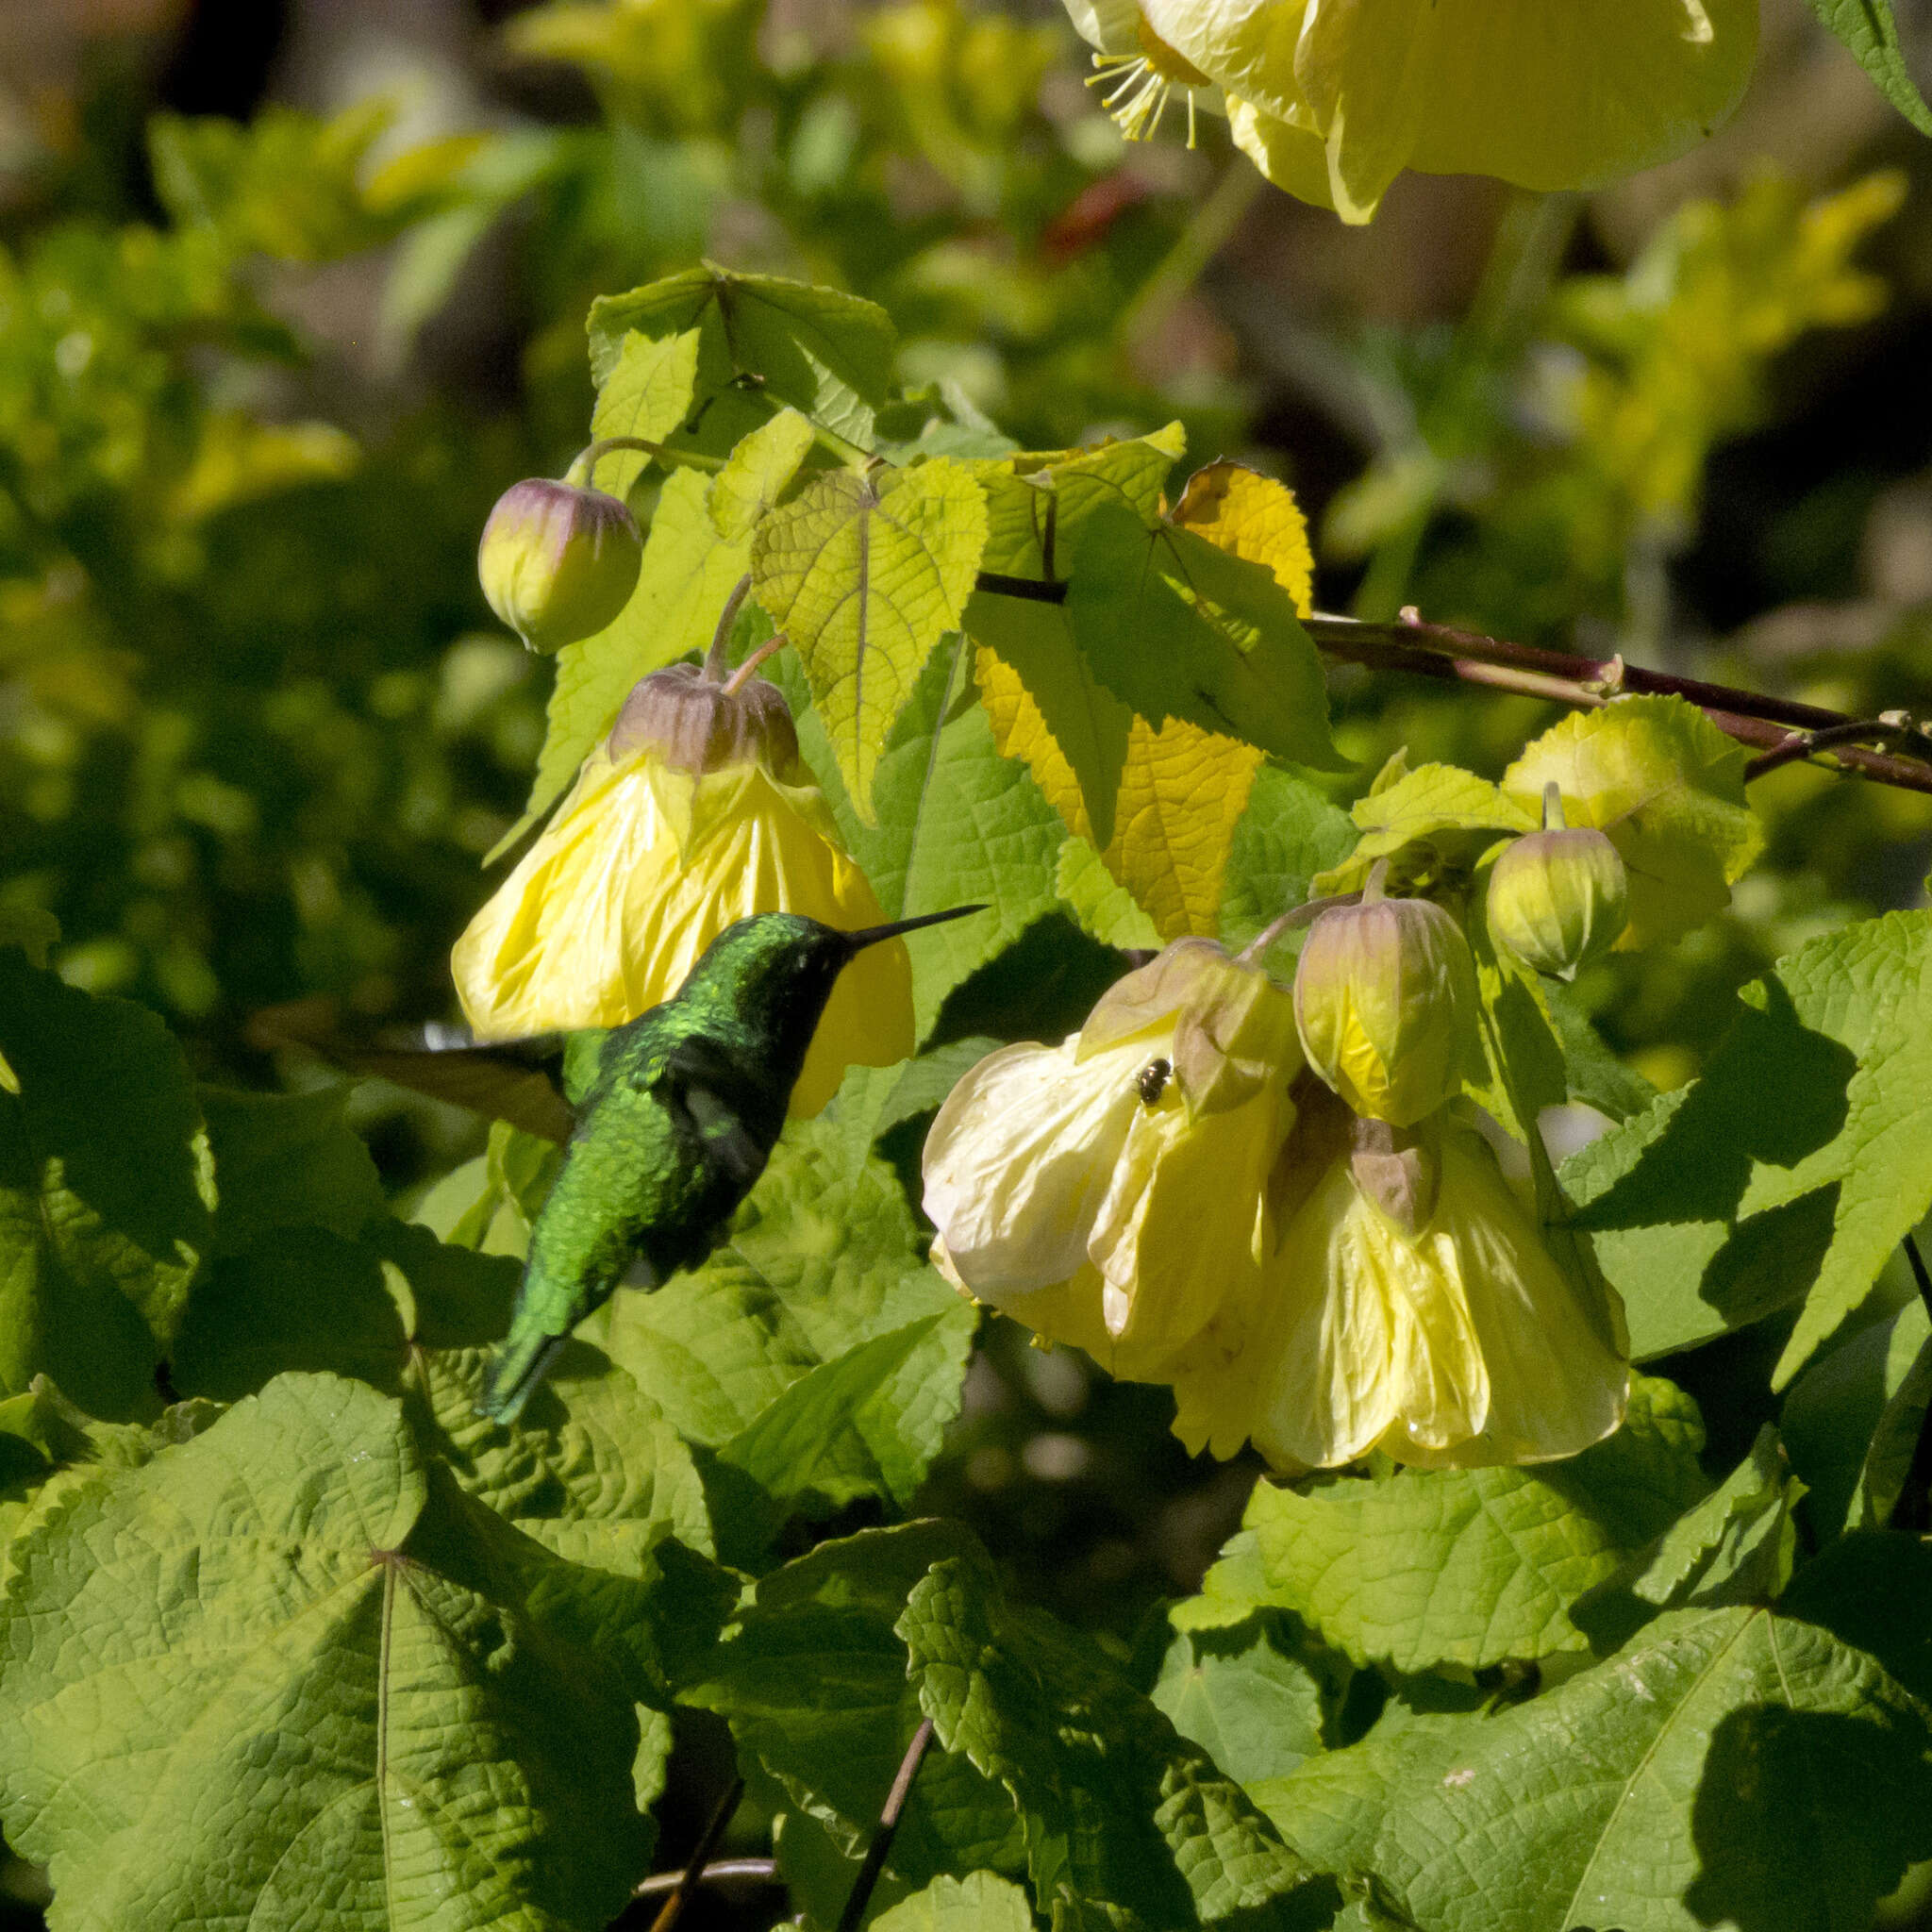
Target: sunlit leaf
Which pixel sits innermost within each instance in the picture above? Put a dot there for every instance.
(865, 574)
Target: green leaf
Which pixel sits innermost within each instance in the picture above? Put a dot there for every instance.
(1591, 1073)
(1711, 1210)
(1103, 905)
(1433, 803)
(1290, 832)
(105, 1192)
(1852, 1420)
(980, 1902)
(814, 1683)
(957, 825)
(1669, 1788)
(1472, 1567)
(308, 1300)
(1668, 788)
(1868, 28)
(1179, 628)
(1247, 1696)
(1084, 717)
(688, 570)
(310, 1687)
(756, 474)
(865, 574)
(827, 354)
(866, 1423)
(822, 1256)
(287, 1160)
(593, 1474)
(646, 391)
(1118, 1807)
(1735, 1546)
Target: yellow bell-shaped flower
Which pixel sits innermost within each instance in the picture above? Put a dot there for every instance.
(1110, 1192)
(1332, 99)
(695, 812)
(1457, 1343)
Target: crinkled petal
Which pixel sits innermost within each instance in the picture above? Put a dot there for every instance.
(1324, 1386)
(1556, 1386)
(605, 916)
(1175, 1239)
(1020, 1159)
(1291, 156)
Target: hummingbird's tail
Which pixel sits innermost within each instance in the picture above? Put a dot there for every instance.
(520, 1364)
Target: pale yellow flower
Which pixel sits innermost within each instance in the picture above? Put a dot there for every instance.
(643, 864)
(1458, 1345)
(1332, 99)
(1110, 1192)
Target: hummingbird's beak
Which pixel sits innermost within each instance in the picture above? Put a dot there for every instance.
(872, 935)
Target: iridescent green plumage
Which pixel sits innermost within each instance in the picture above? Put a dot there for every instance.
(676, 1114)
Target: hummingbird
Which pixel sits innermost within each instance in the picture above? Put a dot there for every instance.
(675, 1115)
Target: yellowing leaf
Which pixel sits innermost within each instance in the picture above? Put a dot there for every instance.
(1182, 792)
(866, 573)
(1240, 510)
(1102, 904)
(1667, 786)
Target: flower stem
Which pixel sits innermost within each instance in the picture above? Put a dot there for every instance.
(700, 1858)
(585, 467)
(772, 645)
(1206, 234)
(881, 1844)
(720, 638)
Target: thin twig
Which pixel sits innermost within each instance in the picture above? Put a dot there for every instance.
(1783, 730)
(718, 1871)
(860, 1894)
(1438, 650)
(693, 1874)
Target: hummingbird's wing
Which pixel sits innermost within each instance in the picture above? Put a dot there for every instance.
(513, 1081)
(694, 1082)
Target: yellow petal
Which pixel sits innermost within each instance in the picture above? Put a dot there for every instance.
(1554, 1386)
(639, 870)
(1020, 1159)
(1548, 96)
(1175, 1239)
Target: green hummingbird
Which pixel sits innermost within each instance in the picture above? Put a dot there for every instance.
(677, 1113)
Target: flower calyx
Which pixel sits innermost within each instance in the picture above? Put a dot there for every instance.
(695, 721)
(557, 563)
(1561, 897)
(1232, 1026)
(1385, 1002)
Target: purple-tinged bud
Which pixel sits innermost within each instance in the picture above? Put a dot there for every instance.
(1384, 998)
(558, 563)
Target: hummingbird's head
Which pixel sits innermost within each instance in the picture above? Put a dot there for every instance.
(779, 968)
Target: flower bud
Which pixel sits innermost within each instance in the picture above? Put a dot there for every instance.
(1385, 999)
(1559, 898)
(694, 723)
(558, 563)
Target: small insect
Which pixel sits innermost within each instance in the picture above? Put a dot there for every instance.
(1152, 1079)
